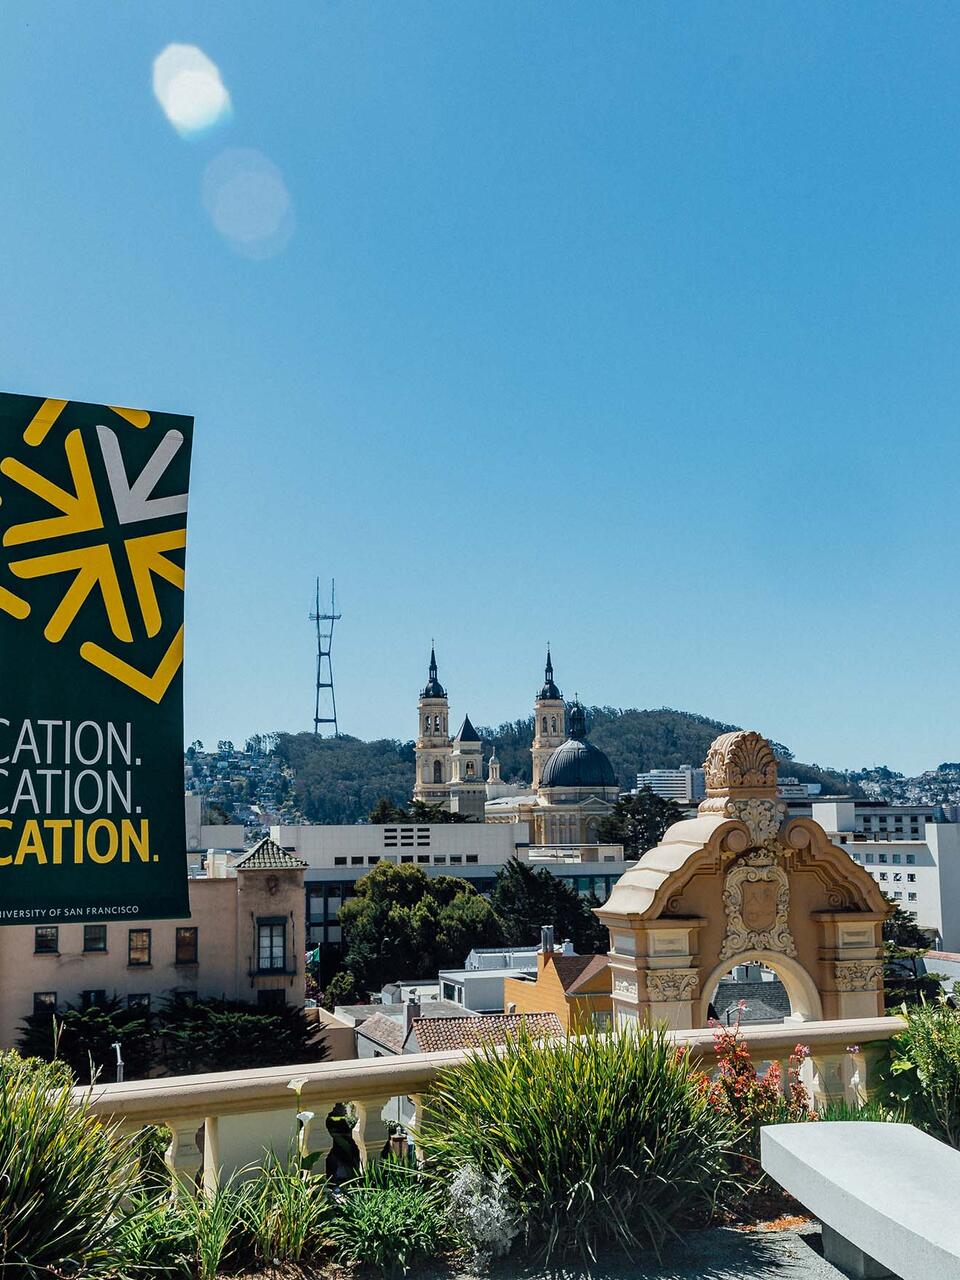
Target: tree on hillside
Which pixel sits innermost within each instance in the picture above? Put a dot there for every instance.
(402, 924)
(639, 821)
(526, 897)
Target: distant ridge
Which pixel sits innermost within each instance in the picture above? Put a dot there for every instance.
(341, 779)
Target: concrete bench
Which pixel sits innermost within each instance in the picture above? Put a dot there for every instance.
(888, 1196)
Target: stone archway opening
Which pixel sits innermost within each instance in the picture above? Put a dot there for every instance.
(759, 989)
(743, 883)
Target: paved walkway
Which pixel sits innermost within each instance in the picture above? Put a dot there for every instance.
(717, 1254)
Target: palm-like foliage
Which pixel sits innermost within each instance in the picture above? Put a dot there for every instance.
(62, 1175)
(604, 1139)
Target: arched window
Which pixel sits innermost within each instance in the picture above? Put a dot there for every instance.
(470, 769)
(436, 724)
(426, 724)
(544, 724)
(553, 724)
(437, 771)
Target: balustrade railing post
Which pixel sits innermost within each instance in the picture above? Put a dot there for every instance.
(211, 1156)
(183, 1156)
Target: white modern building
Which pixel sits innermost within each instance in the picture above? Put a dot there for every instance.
(202, 835)
(685, 785)
(337, 856)
(912, 853)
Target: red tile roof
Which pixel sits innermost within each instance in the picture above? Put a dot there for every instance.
(433, 1035)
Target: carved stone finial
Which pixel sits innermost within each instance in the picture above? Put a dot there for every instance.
(741, 764)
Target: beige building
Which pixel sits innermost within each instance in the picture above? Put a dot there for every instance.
(244, 940)
(573, 784)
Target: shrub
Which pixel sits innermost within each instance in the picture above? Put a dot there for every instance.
(925, 1070)
(602, 1139)
(155, 1236)
(389, 1218)
(286, 1213)
(62, 1175)
(216, 1226)
(753, 1099)
(483, 1213)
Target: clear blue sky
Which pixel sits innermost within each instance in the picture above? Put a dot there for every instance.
(630, 326)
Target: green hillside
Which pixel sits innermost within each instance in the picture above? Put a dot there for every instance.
(340, 780)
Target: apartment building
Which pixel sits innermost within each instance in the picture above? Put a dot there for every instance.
(685, 785)
(243, 940)
(913, 852)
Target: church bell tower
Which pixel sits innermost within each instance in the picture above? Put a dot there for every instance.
(549, 712)
(433, 749)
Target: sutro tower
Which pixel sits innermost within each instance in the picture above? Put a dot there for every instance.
(325, 623)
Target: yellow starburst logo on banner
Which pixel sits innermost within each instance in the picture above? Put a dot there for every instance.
(63, 533)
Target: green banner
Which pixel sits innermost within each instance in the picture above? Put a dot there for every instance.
(93, 513)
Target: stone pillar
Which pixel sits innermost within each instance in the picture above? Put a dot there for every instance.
(654, 971)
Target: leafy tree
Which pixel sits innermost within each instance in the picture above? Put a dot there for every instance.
(83, 1038)
(904, 945)
(526, 897)
(229, 1035)
(403, 924)
(639, 821)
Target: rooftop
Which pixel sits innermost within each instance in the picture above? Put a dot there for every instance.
(268, 856)
(436, 1035)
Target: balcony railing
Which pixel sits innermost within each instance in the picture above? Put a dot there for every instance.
(575, 853)
(225, 1121)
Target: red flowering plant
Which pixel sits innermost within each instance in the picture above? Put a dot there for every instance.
(754, 1099)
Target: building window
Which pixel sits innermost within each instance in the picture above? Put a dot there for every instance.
(869, 857)
(455, 859)
(911, 877)
(45, 1002)
(897, 897)
(139, 943)
(90, 998)
(46, 940)
(423, 857)
(140, 1001)
(896, 857)
(912, 897)
(407, 857)
(440, 859)
(271, 946)
(271, 999)
(911, 858)
(881, 857)
(472, 857)
(437, 771)
(94, 937)
(186, 952)
(356, 862)
(339, 862)
(883, 875)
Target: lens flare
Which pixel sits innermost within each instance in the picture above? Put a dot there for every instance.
(248, 202)
(188, 86)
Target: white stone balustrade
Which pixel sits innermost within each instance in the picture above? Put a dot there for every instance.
(224, 1122)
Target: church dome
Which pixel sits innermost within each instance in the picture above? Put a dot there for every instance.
(578, 763)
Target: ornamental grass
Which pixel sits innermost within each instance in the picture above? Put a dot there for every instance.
(603, 1140)
(63, 1176)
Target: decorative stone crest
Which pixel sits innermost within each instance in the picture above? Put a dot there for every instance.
(624, 987)
(756, 898)
(858, 975)
(742, 761)
(762, 818)
(671, 984)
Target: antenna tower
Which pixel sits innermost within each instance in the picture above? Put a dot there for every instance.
(324, 622)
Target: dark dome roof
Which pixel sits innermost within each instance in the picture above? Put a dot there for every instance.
(433, 688)
(549, 692)
(578, 763)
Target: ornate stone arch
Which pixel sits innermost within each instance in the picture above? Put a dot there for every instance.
(738, 882)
